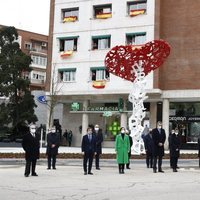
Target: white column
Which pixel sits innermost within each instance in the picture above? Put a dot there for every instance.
(85, 117)
(123, 120)
(165, 119)
(153, 114)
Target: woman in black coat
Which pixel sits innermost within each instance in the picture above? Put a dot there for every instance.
(174, 146)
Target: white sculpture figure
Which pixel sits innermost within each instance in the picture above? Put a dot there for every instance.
(137, 97)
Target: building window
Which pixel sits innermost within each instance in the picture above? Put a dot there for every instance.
(38, 76)
(135, 38)
(39, 60)
(103, 11)
(137, 7)
(101, 42)
(28, 45)
(68, 44)
(67, 75)
(70, 14)
(98, 74)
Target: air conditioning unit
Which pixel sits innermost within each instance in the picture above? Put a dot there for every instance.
(44, 44)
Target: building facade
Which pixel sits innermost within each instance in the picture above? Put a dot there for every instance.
(83, 32)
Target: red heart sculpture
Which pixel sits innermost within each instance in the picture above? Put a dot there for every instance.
(120, 60)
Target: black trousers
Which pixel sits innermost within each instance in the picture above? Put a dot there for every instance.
(30, 166)
(121, 168)
(159, 162)
(88, 157)
(149, 160)
(52, 161)
(128, 164)
(174, 161)
(97, 160)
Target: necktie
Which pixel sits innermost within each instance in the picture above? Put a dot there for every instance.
(90, 137)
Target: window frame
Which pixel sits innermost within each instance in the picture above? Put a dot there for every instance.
(106, 74)
(61, 74)
(62, 43)
(136, 2)
(97, 39)
(99, 9)
(135, 35)
(65, 10)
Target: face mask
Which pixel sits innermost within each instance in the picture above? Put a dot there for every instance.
(53, 130)
(176, 133)
(122, 131)
(159, 126)
(32, 130)
(96, 129)
(89, 132)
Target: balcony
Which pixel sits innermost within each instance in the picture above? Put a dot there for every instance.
(38, 51)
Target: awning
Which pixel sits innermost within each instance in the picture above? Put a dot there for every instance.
(66, 69)
(101, 36)
(67, 37)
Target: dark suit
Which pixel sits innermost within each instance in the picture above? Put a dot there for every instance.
(174, 147)
(31, 147)
(149, 148)
(158, 137)
(52, 152)
(99, 140)
(129, 153)
(89, 148)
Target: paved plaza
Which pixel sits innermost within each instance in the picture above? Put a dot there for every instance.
(69, 183)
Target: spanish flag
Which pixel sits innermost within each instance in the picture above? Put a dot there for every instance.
(103, 15)
(70, 19)
(98, 84)
(136, 12)
(66, 53)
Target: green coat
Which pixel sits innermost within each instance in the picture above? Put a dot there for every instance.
(122, 147)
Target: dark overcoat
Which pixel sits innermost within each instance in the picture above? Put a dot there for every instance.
(174, 145)
(158, 137)
(99, 140)
(52, 138)
(31, 146)
(88, 146)
(149, 144)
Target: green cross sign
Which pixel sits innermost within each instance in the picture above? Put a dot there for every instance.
(114, 128)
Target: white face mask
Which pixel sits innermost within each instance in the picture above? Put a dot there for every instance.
(159, 126)
(96, 128)
(32, 130)
(53, 130)
(176, 133)
(122, 131)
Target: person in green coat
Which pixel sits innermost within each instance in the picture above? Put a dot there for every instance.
(122, 148)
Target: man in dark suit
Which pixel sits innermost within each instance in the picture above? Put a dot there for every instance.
(99, 140)
(159, 137)
(31, 146)
(88, 148)
(53, 142)
(149, 148)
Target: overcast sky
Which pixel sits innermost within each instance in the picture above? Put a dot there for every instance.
(29, 15)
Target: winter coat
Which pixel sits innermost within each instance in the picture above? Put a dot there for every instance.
(52, 138)
(99, 140)
(174, 145)
(149, 144)
(88, 146)
(158, 138)
(122, 148)
(31, 146)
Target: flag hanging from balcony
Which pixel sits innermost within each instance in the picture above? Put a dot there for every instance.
(136, 12)
(99, 84)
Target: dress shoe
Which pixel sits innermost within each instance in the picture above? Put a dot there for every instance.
(48, 168)
(26, 175)
(34, 174)
(90, 173)
(154, 171)
(161, 171)
(54, 168)
(128, 168)
(85, 173)
(97, 168)
(174, 170)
